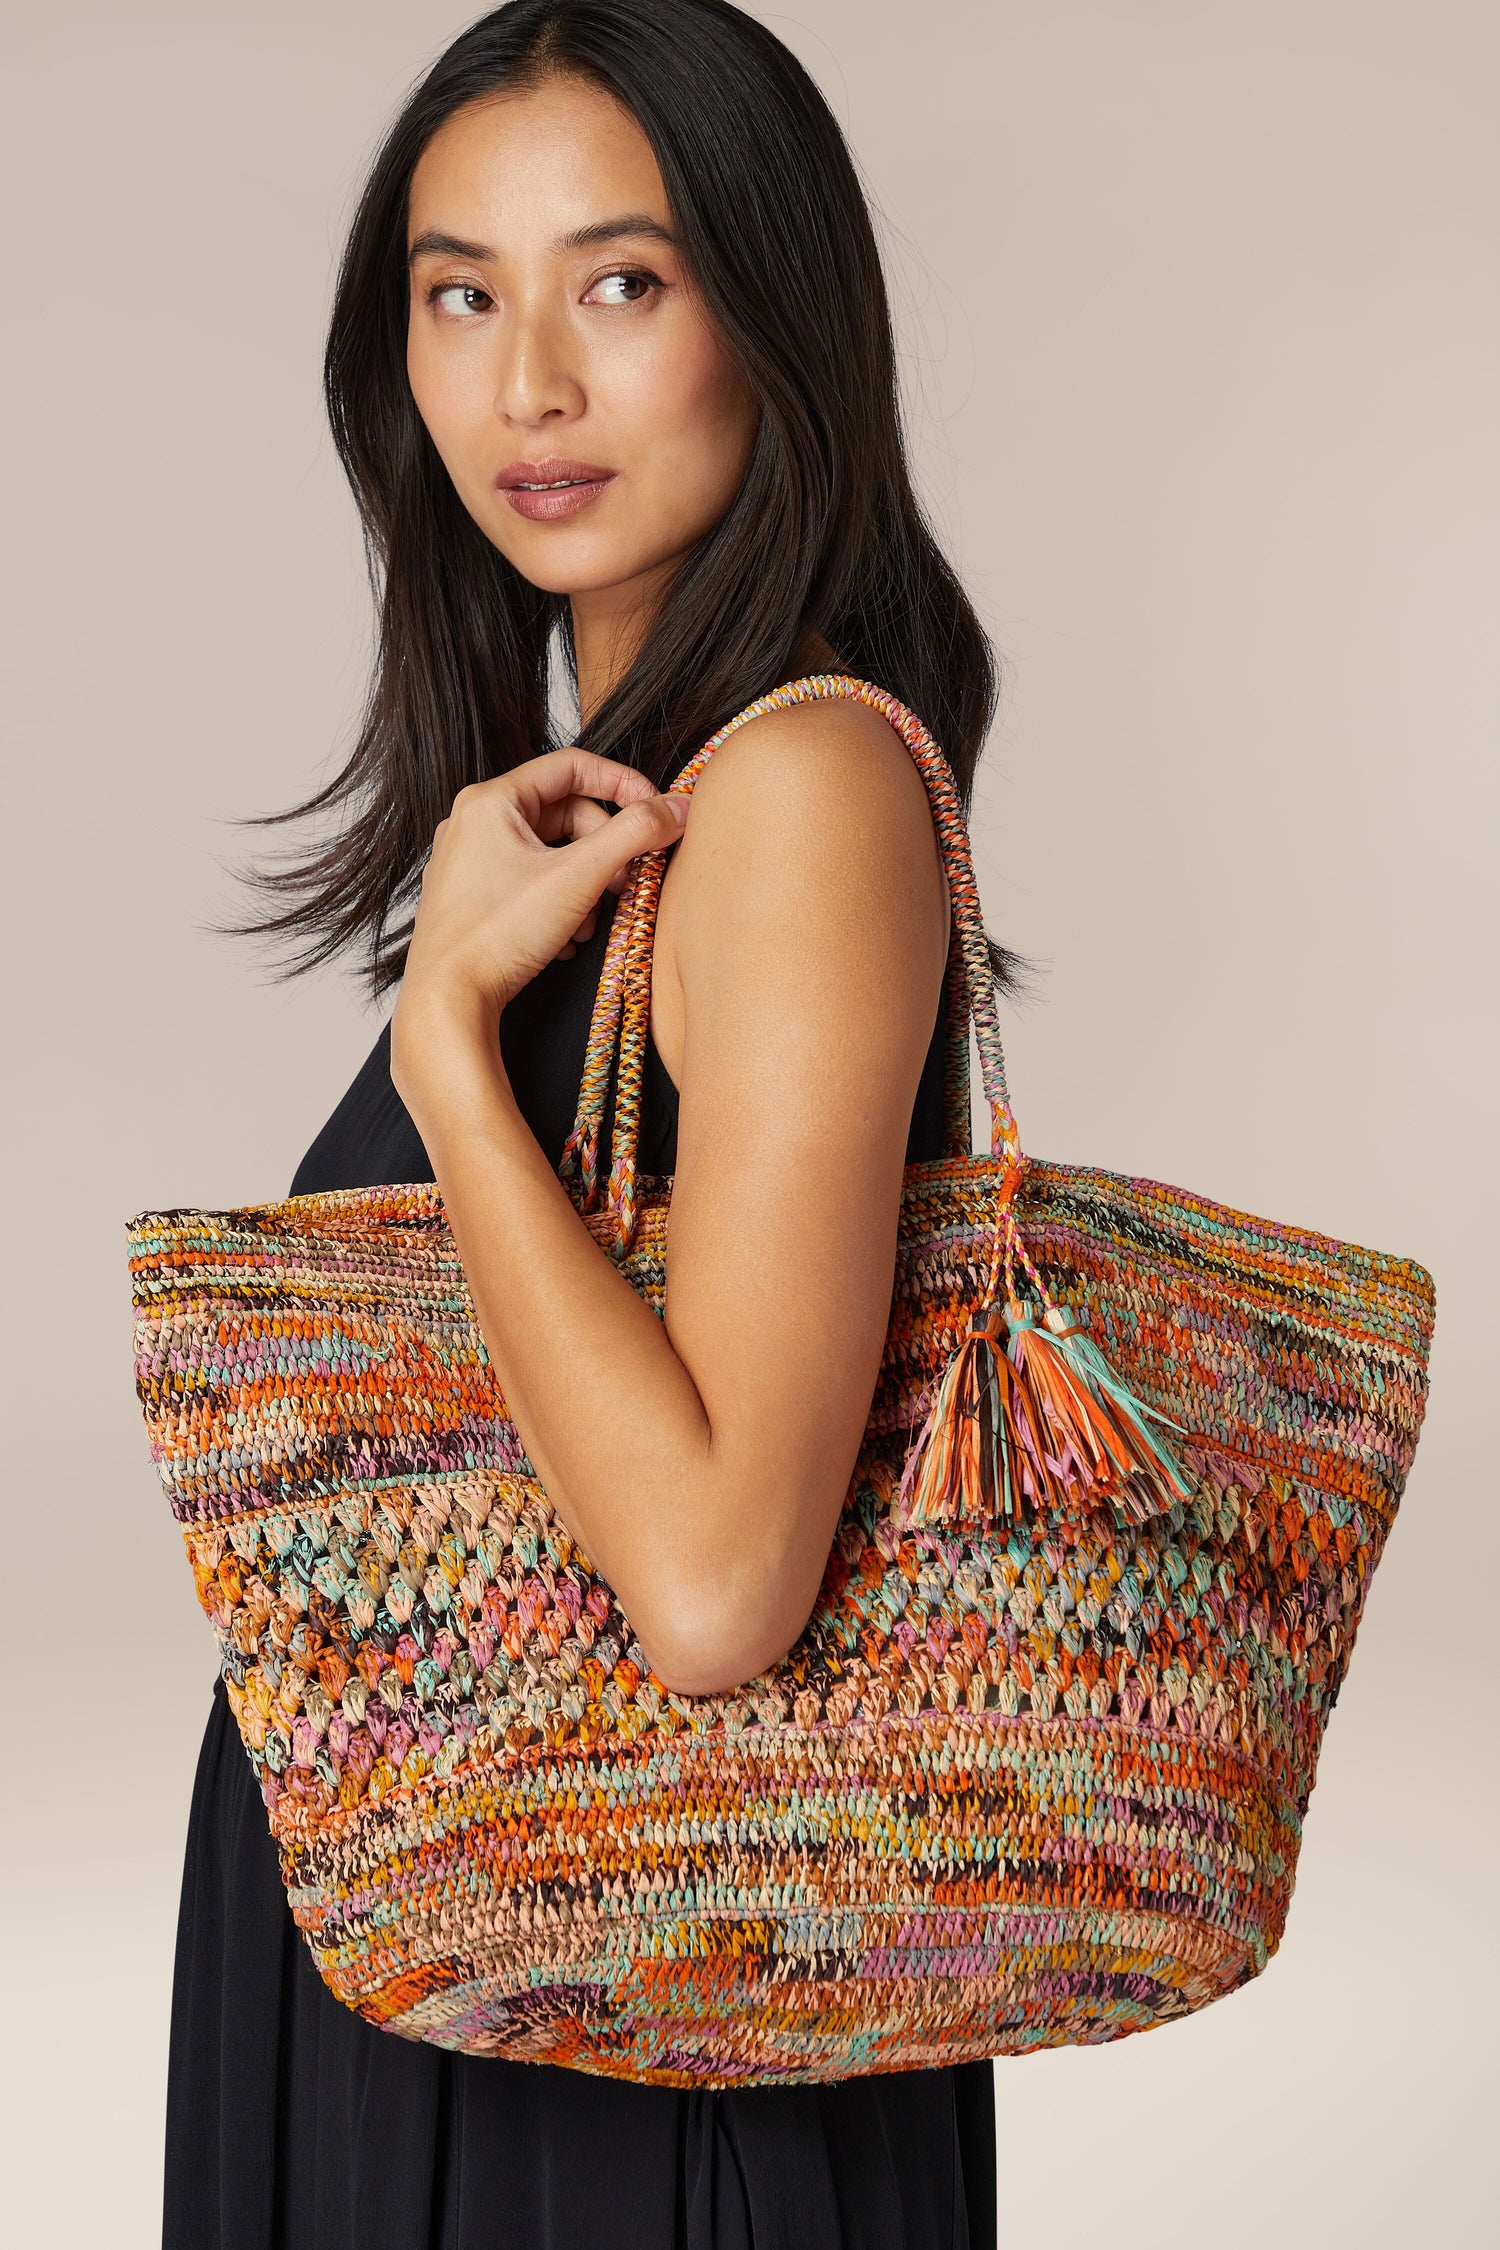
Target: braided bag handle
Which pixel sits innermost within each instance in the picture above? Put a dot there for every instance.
(622, 1003)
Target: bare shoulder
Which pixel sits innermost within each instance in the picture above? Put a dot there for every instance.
(832, 746)
(809, 838)
(831, 783)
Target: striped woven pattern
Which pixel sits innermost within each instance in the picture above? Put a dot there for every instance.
(1012, 1788)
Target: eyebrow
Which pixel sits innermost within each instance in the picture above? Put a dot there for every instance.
(435, 244)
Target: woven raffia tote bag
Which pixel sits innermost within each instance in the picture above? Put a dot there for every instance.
(1036, 1770)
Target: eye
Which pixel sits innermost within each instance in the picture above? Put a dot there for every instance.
(627, 285)
(459, 298)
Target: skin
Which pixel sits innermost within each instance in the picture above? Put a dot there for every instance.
(700, 1462)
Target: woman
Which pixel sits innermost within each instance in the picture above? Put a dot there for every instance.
(611, 354)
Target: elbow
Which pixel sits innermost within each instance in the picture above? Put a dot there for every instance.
(712, 1649)
(724, 1609)
(709, 1670)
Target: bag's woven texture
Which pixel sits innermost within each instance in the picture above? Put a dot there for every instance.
(1015, 1786)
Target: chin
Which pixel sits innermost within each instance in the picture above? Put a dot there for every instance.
(560, 565)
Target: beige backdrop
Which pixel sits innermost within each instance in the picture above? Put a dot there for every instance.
(1201, 322)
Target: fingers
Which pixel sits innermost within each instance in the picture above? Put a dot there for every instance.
(569, 817)
(488, 867)
(648, 824)
(563, 794)
(560, 774)
(604, 859)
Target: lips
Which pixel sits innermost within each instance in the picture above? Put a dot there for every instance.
(552, 471)
(545, 490)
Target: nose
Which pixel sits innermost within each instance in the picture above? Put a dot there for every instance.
(535, 379)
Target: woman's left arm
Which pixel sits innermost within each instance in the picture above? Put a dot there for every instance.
(701, 1461)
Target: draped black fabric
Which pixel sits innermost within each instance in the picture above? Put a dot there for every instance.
(294, 2125)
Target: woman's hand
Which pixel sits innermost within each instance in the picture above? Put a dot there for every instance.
(498, 901)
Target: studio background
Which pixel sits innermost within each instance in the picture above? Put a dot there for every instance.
(1200, 323)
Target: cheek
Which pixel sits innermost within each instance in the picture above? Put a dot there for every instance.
(448, 398)
(695, 421)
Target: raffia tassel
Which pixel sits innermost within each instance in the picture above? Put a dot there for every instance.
(1105, 1450)
(956, 1470)
(1030, 1420)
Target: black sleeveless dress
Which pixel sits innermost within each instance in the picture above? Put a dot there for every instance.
(294, 2125)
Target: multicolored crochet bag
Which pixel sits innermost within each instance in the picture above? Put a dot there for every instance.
(1036, 1770)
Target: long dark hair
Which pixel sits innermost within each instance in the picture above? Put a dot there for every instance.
(825, 533)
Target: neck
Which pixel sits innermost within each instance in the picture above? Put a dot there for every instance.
(610, 627)
(610, 624)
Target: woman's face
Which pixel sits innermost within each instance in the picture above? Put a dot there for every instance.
(555, 341)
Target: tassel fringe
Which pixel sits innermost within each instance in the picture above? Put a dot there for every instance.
(1031, 1421)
